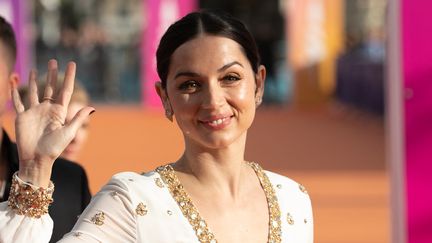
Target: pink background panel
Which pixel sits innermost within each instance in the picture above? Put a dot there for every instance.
(417, 74)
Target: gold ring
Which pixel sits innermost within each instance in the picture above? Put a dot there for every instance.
(48, 99)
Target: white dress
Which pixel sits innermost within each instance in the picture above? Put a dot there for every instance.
(153, 207)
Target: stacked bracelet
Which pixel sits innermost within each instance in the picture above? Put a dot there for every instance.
(28, 200)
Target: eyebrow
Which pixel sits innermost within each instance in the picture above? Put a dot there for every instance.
(226, 66)
(187, 74)
(193, 74)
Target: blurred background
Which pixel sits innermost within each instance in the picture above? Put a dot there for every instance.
(321, 123)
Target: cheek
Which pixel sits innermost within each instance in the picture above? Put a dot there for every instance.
(244, 94)
(183, 105)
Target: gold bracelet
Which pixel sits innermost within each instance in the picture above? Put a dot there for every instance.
(29, 200)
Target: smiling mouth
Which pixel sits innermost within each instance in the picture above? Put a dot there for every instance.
(218, 123)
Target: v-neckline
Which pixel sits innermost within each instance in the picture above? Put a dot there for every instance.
(202, 230)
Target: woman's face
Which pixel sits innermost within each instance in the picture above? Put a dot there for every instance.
(212, 91)
(73, 150)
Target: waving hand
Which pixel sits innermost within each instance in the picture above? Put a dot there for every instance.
(41, 132)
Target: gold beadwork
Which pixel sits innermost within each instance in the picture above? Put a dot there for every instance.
(185, 203)
(98, 219)
(305, 221)
(290, 219)
(114, 193)
(141, 209)
(279, 186)
(200, 227)
(169, 212)
(303, 189)
(28, 200)
(275, 229)
(159, 182)
(77, 234)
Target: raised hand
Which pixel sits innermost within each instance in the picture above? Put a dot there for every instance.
(41, 132)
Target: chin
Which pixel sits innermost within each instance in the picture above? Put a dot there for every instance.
(219, 142)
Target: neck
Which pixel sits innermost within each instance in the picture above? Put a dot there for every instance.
(220, 169)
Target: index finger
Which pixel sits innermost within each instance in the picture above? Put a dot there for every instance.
(68, 85)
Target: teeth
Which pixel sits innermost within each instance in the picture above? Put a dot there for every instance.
(218, 121)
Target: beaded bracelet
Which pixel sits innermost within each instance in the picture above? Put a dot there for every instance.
(29, 200)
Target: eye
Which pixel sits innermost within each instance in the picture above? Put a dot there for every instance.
(189, 86)
(231, 78)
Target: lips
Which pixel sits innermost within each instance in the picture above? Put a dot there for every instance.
(217, 123)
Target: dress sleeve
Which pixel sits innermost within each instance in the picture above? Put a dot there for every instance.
(310, 226)
(110, 217)
(20, 229)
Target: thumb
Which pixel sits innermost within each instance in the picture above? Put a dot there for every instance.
(79, 118)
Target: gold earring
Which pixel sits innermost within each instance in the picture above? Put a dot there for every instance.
(169, 114)
(258, 101)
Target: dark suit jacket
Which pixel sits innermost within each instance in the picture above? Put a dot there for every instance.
(71, 194)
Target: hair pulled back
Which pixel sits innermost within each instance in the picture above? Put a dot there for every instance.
(204, 22)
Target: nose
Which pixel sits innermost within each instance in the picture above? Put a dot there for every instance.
(213, 96)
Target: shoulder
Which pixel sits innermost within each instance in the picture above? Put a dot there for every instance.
(148, 188)
(129, 177)
(134, 182)
(290, 192)
(295, 208)
(282, 182)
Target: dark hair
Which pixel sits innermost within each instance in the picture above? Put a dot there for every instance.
(7, 38)
(208, 22)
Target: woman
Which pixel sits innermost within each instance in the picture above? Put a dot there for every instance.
(211, 81)
(78, 100)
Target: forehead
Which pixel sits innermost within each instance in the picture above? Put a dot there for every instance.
(207, 52)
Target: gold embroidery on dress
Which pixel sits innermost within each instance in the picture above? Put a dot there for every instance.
(303, 189)
(186, 206)
(290, 219)
(275, 230)
(98, 219)
(159, 182)
(141, 209)
(200, 227)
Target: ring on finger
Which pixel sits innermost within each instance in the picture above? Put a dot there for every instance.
(50, 99)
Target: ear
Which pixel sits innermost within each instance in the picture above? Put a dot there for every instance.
(165, 100)
(259, 81)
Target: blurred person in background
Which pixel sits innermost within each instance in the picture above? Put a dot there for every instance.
(212, 82)
(79, 100)
(72, 194)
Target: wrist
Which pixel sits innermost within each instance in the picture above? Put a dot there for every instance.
(39, 177)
